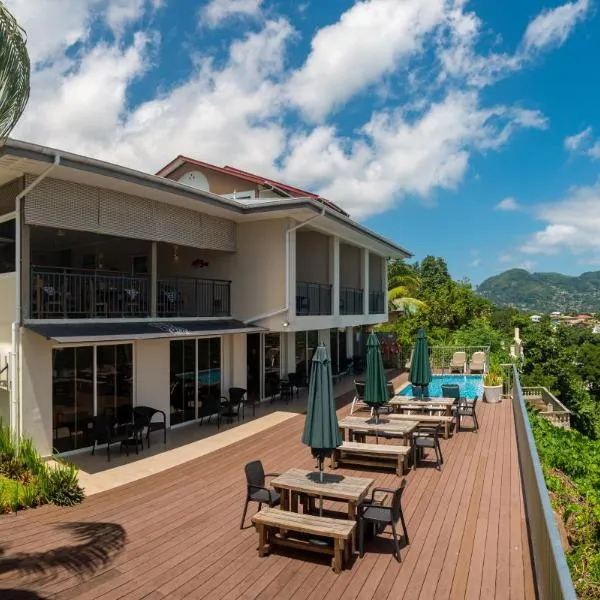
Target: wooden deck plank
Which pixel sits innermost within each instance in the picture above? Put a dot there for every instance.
(183, 538)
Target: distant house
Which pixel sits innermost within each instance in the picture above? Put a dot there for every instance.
(535, 318)
(596, 329)
(555, 314)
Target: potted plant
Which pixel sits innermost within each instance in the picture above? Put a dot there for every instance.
(492, 385)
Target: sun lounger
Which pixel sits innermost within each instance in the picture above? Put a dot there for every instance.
(458, 362)
(477, 364)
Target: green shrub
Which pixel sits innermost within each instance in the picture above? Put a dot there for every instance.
(61, 485)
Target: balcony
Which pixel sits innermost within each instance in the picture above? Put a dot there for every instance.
(351, 301)
(95, 294)
(376, 302)
(189, 297)
(313, 299)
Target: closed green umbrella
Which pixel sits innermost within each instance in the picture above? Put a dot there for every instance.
(420, 369)
(321, 430)
(376, 390)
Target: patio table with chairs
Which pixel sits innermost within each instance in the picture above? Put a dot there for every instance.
(384, 428)
(404, 403)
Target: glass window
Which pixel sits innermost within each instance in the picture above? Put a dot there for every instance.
(7, 246)
(72, 397)
(114, 377)
(272, 362)
(301, 356)
(183, 381)
(312, 341)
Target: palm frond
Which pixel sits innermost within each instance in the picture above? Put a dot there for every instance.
(15, 70)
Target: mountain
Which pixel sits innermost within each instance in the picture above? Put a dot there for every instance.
(543, 292)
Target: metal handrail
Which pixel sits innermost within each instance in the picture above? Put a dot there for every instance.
(552, 576)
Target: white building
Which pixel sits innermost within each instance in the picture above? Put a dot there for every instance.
(120, 288)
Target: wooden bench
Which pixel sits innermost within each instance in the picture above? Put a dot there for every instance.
(378, 455)
(273, 526)
(443, 420)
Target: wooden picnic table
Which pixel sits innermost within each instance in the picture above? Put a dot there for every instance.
(383, 427)
(400, 403)
(297, 482)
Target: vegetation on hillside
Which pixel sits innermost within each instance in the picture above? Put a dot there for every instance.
(543, 292)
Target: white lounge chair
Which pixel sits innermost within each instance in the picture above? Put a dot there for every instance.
(458, 362)
(477, 364)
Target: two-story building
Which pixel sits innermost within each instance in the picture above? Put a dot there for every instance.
(123, 288)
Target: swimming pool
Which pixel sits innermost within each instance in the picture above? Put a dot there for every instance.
(470, 385)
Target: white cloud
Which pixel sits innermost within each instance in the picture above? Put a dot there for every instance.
(508, 204)
(476, 262)
(583, 143)
(572, 224)
(217, 11)
(552, 27)
(394, 156)
(370, 39)
(574, 142)
(233, 108)
(505, 258)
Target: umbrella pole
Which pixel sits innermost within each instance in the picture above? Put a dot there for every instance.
(321, 480)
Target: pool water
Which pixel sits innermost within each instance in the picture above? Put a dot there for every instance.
(470, 385)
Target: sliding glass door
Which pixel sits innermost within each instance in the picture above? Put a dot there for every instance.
(195, 368)
(88, 381)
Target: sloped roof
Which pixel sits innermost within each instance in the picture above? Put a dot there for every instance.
(289, 190)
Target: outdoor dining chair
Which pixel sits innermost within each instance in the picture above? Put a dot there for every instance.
(239, 397)
(256, 489)
(105, 431)
(144, 415)
(427, 437)
(380, 517)
(466, 409)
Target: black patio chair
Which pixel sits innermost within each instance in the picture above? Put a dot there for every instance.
(239, 397)
(295, 382)
(209, 408)
(381, 516)
(466, 409)
(256, 490)
(144, 416)
(228, 409)
(427, 437)
(106, 431)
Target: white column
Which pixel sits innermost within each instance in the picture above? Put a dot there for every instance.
(324, 338)
(239, 361)
(153, 278)
(291, 269)
(349, 342)
(335, 274)
(290, 354)
(364, 280)
(25, 273)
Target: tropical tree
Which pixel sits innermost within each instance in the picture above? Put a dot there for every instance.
(14, 71)
(403, 286)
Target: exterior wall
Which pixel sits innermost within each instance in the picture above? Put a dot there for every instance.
(219, 183)
(7, 314)
(220, 264)
(350, 266)
(8, 193)
(56, 203)
(376, 282)
(239, 360)
(152, 382)
(312, 257)
(259, 270)
(36, 390)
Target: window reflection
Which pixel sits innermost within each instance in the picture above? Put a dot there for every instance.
(114, 374)
(195, 367)
(72, 397)
(272, 363)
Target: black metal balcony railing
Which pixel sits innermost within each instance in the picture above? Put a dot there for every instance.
(351, 301)
(313, 298)
(376, 302)
(85, 294)
(72, 293)
(189, 297)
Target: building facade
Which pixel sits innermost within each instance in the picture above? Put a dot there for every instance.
(119, 288)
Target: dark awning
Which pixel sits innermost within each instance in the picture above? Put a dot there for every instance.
(138, 330)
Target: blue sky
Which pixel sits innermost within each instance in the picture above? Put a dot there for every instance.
(468, 130)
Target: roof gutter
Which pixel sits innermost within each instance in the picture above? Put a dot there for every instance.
(287, 271)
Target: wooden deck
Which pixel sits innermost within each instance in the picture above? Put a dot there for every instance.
(176, 534)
